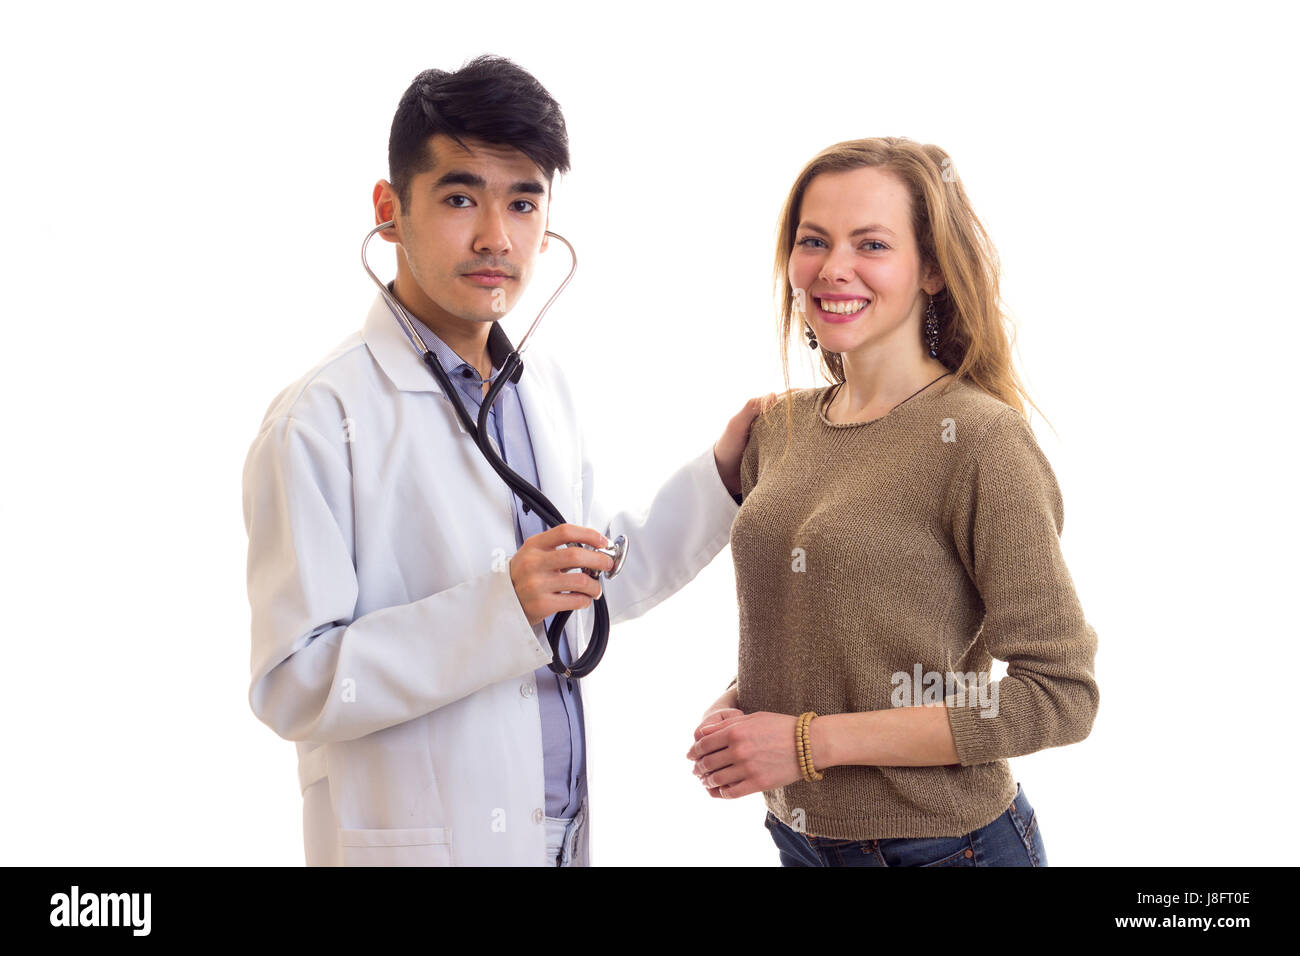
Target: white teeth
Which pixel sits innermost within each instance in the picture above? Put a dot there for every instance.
(843, 307)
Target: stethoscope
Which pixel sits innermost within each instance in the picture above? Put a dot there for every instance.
(530, 495)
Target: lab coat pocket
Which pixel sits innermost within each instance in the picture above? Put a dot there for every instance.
(417, 846)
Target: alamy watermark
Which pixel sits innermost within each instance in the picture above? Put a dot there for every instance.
(75, 908)
(969, 689)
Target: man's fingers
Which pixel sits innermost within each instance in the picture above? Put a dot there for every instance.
(568, 534)
(562, 559)
(561, 582)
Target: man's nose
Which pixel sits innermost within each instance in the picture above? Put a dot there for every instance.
(491, 237)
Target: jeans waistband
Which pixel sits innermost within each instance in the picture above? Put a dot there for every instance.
(561, 835)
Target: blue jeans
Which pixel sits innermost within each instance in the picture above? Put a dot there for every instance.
(1013, 839)
(562, 837)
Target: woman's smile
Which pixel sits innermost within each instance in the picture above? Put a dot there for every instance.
(841, 309)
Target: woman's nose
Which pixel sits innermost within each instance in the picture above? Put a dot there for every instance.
(834, 271)
(837, 267)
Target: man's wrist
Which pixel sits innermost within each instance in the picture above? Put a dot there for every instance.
(733, 489)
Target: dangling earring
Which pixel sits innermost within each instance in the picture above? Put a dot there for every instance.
(812, 336)
(932, 329)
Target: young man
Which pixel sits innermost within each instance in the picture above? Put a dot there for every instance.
(400, 591)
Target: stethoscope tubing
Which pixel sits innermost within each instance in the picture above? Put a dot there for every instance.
(478, 431)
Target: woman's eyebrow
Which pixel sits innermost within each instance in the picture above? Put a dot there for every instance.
(874, 227)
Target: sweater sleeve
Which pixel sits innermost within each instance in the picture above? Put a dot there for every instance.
(1006, 516)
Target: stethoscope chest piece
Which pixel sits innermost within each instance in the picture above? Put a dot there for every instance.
(617, 550)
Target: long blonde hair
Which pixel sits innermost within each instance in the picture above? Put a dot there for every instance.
(975, 335)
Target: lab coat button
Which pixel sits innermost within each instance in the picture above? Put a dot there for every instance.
(537, 816)
(526, 689)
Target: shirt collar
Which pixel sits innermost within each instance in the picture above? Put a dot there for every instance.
(388, 342)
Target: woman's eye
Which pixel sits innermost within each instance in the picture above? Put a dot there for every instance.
(526, 202)
(870, 242)
(452, 200)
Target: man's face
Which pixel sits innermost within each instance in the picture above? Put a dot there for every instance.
(471, 231)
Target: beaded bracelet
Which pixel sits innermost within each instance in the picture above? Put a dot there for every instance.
(804, 751)
(803, 747)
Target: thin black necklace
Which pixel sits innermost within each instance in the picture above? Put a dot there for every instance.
(908, 399)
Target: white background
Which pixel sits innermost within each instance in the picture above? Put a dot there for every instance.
(185, 191)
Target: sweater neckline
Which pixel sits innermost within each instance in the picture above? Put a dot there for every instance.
(823, 399)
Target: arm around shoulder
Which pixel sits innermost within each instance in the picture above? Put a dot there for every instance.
(687, 523)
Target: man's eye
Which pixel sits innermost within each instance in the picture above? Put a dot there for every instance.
(526, 202)
(452, 200)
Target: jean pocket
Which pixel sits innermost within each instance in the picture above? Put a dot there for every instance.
(1025, 819)
(929, 851)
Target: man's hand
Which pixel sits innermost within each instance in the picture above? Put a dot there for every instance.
(729, 449)
(540, 571)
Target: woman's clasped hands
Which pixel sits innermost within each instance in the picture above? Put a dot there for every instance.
(736, 754)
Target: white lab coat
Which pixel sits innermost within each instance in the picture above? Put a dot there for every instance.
(387, 639)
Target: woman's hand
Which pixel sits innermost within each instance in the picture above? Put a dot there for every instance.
(719, 710)
(730, 448)
(712, 718)
(739, 754)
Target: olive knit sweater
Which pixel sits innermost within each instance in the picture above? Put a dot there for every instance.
(877, 563)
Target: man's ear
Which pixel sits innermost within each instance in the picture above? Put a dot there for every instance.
(545, 238)
(387, 207)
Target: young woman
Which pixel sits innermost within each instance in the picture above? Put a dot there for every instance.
(899, 530)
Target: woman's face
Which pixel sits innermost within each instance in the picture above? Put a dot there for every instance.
(857, 263)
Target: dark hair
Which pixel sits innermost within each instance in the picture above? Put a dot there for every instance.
(491, 99)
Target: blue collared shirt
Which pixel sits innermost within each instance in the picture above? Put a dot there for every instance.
(564, 756)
